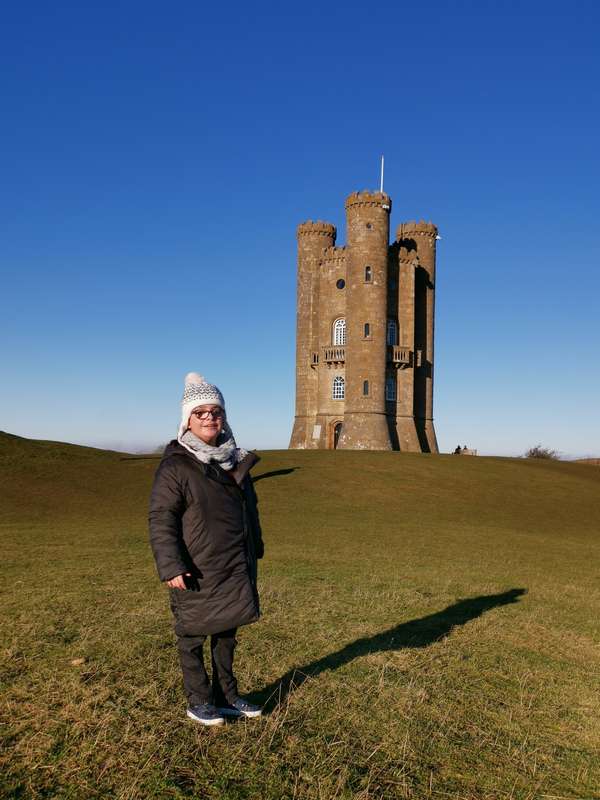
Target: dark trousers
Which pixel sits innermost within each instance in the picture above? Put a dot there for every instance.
(198, 688)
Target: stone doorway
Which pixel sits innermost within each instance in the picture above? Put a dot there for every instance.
(335, 429)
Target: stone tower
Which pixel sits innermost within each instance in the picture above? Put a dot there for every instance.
(364, 338)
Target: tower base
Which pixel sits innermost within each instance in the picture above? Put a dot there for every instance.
(408, 441)
(303, 435)
(427, 437)
(298, 439)
(365, 431)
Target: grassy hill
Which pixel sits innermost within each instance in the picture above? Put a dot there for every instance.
(430, 630)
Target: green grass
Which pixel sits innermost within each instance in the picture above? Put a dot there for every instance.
(430, 630)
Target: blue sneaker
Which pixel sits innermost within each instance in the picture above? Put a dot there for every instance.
(206, 714)
(240, 708)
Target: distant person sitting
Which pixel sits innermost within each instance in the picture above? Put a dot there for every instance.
(458, 451)
(206, 539)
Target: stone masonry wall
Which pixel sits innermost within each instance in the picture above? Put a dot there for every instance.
(367, 283)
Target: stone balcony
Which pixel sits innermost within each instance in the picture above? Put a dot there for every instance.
(333, 355)
(398, 355)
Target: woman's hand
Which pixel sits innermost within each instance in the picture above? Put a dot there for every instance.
(178, 582)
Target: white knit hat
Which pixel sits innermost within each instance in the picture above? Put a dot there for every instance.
(197, 392)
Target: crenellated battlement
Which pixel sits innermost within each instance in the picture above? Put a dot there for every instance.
(334, 255)
(408, 256)
(408, 229)
(318, 228)
(366, 198)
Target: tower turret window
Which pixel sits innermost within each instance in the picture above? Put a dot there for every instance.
(367, 330)
(368, 274)
(338, 388)
(392, 332)
(339, 333)
(365, 388)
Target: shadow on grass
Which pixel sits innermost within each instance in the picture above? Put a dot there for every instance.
(415, 633)
(156, 457)
(274, 474)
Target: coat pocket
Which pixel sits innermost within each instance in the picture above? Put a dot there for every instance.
(216, 607)
(188, 611)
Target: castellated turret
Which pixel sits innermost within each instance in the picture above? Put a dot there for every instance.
(364, 341)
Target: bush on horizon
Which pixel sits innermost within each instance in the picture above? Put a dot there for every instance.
(542, 452)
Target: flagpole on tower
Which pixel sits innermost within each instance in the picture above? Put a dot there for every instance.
(381, 182)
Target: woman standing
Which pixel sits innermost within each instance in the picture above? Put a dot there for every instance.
(206, 538)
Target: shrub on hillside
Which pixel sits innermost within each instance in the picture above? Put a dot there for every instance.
(541, 452)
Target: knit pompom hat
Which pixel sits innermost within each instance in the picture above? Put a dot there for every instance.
(197, 392)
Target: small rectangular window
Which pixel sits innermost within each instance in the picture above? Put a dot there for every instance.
(392, 332)
(390, 389)
(365, 388)
(367, 330)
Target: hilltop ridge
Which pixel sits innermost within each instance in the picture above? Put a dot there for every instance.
(13, 446)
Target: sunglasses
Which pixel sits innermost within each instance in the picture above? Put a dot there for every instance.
(215, 413)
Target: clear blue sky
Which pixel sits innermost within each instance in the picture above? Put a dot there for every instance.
(156, 159)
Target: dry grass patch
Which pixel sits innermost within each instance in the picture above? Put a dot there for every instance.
(430, 630)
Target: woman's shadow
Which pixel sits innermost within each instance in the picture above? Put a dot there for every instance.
(414, 633)
(273, 474)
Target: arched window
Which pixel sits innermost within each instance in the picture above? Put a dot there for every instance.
(368, 274)
(367, 330)
(339, 333)
(390, 389)
(366, 388)
(392, 332)
(338, 388)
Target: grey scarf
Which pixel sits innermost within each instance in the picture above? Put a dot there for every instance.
(225, 452)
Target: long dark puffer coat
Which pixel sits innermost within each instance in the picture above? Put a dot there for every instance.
(204, 520)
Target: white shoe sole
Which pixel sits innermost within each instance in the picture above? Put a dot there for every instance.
(215, 721)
